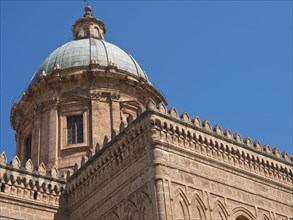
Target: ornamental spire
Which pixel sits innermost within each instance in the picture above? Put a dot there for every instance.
(88, 11)
(88, 26)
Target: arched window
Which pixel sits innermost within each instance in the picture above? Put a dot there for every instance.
(85, 31)
(96, 33)
(241, 213)
(241, 217)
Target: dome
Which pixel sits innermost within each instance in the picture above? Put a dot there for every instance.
(83, 52)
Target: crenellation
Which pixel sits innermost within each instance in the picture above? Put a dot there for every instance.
(185, 117)
(266, 148)
(237, 137)
(107, 139)
(240, 159)
(42, 169)
(29, 184)
(84, 159)
(3, 159)
(114, 133)
(218, 130)
(162, 108)
(15, 162)
(29, 166)
(173, 112)
(122, 155)
(286, 156)
(227, 133)
(206, 125)
(91, 152)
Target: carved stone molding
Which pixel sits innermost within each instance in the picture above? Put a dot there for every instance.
(38, 108)
(54, 101)
(95, 94)
(115, 95)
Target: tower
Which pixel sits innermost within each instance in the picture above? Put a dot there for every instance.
(81, 93)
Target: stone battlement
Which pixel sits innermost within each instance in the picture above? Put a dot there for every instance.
(217, 131)
(159, 125)
(29, 184)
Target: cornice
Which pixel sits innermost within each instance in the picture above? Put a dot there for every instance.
(58, 78)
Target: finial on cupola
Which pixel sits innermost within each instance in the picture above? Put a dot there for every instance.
(88, 11)
(88, 26)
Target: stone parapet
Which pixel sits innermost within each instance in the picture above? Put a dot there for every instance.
(214, 142)
(192, 135)
(28, 193)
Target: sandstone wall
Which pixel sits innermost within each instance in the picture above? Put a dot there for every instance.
(204, 173)
(26, 193)
(116, 181)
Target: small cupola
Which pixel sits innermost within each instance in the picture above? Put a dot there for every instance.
(88, 26)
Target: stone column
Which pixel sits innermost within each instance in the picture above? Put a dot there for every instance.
(159, 197)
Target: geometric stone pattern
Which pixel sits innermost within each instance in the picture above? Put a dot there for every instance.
(163, 167)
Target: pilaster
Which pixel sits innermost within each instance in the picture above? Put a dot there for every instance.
(101, 117)
(53, 132)
(115, 111)
(36, 134)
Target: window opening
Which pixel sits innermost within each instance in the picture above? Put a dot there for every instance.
(3, 187)
(96, 33)
(85, 32)
(75, 129)
(241, 218)
(28, 148)
(35, 195)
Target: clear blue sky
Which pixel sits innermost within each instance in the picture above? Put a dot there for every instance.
(226, 61)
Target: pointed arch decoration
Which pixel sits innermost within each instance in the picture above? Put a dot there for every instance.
(113, 216)
(219, 211)
(265, 217)
(180, 206)
(241, 213)
(198, 208)
(145, 208)
(131, 211)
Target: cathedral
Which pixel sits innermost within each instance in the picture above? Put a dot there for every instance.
(95, 141)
